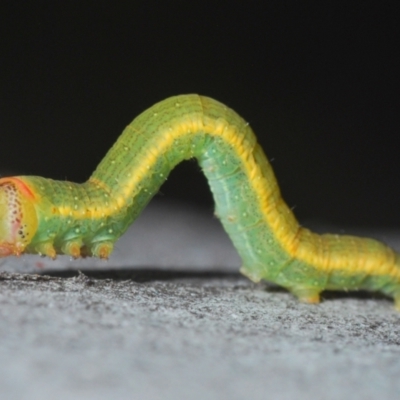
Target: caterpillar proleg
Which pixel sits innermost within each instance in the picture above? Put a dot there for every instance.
(39, 215)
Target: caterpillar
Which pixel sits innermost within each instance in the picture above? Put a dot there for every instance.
(48, 217)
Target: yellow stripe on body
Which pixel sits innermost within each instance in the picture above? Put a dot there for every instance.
(295, 240)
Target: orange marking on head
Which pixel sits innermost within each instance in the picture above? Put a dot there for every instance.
(22, 186)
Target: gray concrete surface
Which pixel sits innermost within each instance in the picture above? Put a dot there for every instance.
(169, 317)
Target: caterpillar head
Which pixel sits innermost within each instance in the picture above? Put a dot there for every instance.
(18, 219)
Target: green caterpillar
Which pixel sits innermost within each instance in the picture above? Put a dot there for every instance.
(47, 217)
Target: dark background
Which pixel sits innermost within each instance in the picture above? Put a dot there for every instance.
(318, 82)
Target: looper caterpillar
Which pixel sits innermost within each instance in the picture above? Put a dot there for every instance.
(50, 217)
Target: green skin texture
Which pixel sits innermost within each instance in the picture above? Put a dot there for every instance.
(261, 253)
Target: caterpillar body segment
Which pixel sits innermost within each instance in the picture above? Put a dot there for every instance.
(48, 217)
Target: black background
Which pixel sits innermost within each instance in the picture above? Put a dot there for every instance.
(318, 82)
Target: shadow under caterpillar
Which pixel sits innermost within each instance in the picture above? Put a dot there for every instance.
(39, 215)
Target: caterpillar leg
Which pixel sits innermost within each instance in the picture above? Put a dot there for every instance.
(72, 248)
(396, 298)
(307, 295)
(46, 249)
(102, 249)
(250, 274)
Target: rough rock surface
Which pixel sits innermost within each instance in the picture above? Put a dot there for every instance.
(169, 317)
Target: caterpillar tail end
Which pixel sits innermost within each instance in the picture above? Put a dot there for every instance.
(18, 219)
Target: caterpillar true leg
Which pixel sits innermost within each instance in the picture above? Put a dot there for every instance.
(44, 216)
